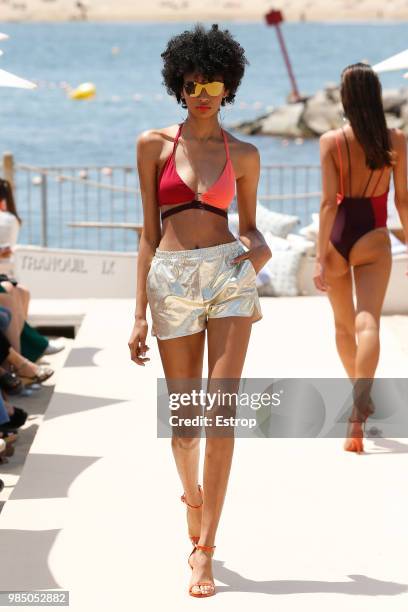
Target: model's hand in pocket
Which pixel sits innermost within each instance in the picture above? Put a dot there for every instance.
(258, 257)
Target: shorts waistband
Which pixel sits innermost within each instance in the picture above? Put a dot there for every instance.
(204, 252)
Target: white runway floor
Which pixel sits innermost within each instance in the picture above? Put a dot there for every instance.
(305, 526)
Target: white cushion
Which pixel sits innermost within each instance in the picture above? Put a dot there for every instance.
(396, 245)
(267, 220)
(279, 276)
(279, 224)
(296, 241)
(311, 231)
(276, 243)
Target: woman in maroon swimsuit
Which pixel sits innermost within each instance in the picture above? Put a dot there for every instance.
(356, 164)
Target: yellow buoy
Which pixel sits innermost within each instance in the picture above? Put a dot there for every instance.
(83, 91)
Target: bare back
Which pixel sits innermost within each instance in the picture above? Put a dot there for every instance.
(358, 179)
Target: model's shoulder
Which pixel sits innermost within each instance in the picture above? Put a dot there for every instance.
(156, 137)
(241, 147)
(330, 136)
(154, 143)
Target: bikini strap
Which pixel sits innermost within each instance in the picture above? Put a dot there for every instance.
(340, 164)
(226, 144)
(194, 204)
(379, 179)
(349, 158)
(177, 136)
(368, 182)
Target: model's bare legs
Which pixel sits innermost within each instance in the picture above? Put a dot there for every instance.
(182, 360)
(340, 294)
(228, 339)
(371, 260)
(371, 282)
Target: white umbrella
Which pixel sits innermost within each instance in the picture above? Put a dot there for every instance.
(11, 80)
(396, 62)
(7, 79)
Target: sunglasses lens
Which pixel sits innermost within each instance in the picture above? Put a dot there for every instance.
(193, 89)
(214, 88)
(190, 88)
(196, 90)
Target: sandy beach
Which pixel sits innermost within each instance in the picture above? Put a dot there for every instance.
(192, 10)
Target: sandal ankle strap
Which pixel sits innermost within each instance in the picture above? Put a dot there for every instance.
(183, 499)
(206, 548)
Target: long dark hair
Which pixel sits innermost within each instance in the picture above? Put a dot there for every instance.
(6, 193)
(361, 96)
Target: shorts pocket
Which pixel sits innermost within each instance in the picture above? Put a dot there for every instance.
(251, 265)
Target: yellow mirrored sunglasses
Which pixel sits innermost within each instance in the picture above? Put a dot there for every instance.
(194, 89)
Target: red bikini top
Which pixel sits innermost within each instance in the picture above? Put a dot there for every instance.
(172, 189)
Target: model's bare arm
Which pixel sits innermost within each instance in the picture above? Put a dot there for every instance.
(149, 146)
(248, 170)
(328, 202)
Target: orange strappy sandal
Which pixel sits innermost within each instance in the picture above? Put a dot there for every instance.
(354, 444)
(194, 539)
(201, 582)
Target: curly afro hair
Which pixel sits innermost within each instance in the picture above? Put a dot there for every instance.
(210, 53)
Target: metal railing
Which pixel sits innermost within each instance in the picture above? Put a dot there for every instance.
(95, 207)
(291, 188)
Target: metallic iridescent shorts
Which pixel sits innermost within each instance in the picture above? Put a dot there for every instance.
(185, 288)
